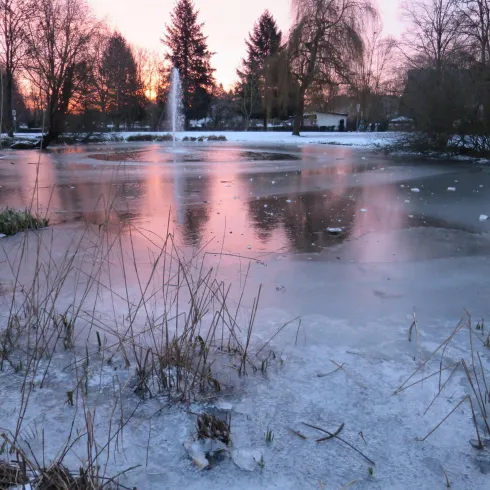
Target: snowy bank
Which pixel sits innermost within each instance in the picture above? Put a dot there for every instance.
(286, 138)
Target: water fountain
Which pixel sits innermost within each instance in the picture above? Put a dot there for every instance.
(175, 106)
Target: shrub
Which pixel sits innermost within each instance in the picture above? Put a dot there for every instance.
(217, 138)
(140, 137)
(13, 221)
(164, 137)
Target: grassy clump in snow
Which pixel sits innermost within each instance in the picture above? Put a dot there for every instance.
(471, 369)
(11, 475)
(211, 427)
(55, 477)
(13, 221)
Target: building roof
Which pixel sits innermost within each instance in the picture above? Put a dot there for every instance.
(401, 119)
(327, 113)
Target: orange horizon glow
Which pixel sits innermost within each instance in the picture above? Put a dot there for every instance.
(227, 24)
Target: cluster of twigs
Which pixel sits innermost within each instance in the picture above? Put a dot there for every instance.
(332, 435)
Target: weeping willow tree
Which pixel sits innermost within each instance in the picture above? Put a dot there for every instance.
(324, 42)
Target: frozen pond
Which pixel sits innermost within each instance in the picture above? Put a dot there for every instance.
(347, 240)
(262, 199)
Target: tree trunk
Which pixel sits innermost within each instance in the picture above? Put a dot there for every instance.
(9, 123)
(51, 137)
(300, 110)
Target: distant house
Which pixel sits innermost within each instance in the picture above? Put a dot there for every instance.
(325, 120)
(322, 120)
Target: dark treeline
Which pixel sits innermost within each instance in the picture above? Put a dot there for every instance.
(65, 71)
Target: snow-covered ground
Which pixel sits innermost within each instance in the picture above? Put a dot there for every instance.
(350, 139)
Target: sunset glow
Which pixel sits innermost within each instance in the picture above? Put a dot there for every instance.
(227, 24)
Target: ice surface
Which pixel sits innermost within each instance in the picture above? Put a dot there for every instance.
(247, 459)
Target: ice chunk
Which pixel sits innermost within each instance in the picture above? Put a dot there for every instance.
(224, 406)
(334, 231)
(451, 189)
(363, 210)
(2, 235)
(415, 189)
(195, 450)
(246, 459)
(483, 217)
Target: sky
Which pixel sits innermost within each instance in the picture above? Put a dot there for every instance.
(227, 24)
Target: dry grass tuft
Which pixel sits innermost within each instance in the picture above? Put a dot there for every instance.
(11, 475)
(211, 427)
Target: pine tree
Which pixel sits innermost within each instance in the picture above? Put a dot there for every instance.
(256, 85)
(124, 98)
(188, 51)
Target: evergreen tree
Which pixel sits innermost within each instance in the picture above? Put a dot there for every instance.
(256, 87)
(124, 98)
(188, 51)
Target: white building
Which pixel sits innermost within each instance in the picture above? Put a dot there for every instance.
(325, 119)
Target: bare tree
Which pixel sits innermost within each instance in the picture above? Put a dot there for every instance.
(14, 18)
(373, 71)
(435, 38)
(325, 39)
(248, 96)
(476, 24)
(149, 63)
(58, 42)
